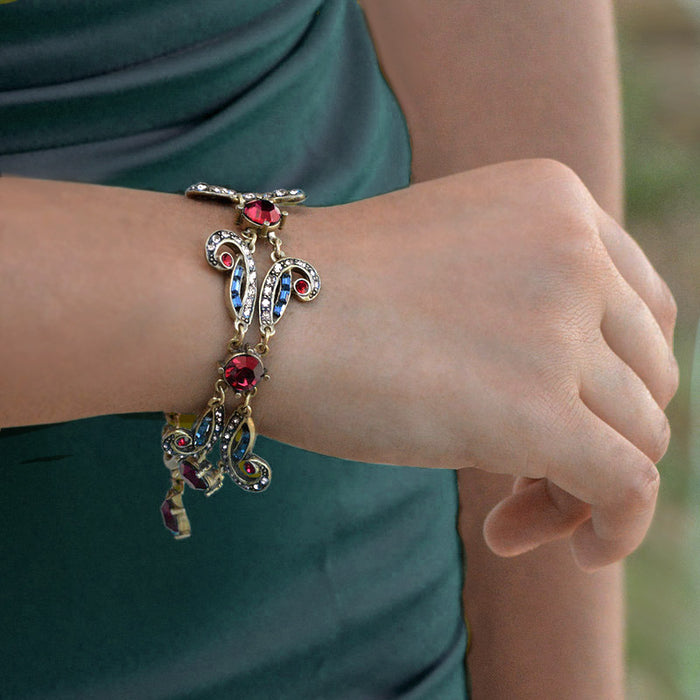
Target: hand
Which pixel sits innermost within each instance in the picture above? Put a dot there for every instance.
(497, 319)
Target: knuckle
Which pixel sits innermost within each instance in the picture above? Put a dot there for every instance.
(671, 382)
(668, 305)
(660, 440)
(559, 187)
(667, 309)
(550, 167)
(578, 247)
(675, 377)
(639, 494)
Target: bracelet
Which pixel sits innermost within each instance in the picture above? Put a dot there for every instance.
(188, 440)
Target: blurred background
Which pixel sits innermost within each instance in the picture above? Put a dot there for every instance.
(660, 61)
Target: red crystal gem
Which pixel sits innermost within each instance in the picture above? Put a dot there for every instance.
(189, 474)
(249, 468)
(227, 260)
(169, 520)
(181, 442)
(262, 211)
(243, 372)
(301, 286)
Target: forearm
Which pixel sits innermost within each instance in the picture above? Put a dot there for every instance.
(487, 84)
(482, 83)
(108, 305)
(541, 627)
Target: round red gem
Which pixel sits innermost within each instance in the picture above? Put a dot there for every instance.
(301, 286)
(262, 211)
(227, 260)
(249, 468)
(243, 372)
(181, 442)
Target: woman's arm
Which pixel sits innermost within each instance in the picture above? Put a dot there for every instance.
(429, 342)
(482, 82)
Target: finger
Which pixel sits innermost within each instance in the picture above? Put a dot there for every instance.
(539, 512)
(599, 466)
(522, 482)
(639, 273)
(611, 390)
(633, 334)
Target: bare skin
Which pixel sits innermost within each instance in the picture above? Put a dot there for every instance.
(536, 328)
(482, 83)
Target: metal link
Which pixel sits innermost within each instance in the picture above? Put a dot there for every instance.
(172, 419)
(262, 348)
(220, 397)
(237, 340)
(244, 408)
(250, 236)
(276, 242)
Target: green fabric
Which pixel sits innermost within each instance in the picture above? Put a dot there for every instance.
(343, 580)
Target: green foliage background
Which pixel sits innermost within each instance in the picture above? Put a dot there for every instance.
(660, 62)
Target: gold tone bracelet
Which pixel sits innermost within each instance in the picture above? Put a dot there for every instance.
(188, 440)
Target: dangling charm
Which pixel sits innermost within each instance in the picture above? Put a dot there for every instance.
(197, 441)
(172, 509)
(187, 441)
(201, 476)
(250, 472)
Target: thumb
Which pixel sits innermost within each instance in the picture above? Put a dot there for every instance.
(537, 512)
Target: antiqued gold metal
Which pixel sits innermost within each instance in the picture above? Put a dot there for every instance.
(187, 439)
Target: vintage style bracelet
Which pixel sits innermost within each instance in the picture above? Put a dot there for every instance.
(188, 440)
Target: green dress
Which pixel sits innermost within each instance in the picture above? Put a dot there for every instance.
(342, 580)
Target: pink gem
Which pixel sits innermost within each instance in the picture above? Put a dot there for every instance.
(181, 442)
(243, 372)
(189, 474)
(301, 286)
(249, 468)
(169, 520)
(227, 260)
(262, 211)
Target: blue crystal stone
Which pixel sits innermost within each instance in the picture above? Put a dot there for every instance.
(236, 284)
(242, 447)
(285, 291)
(200, 437)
